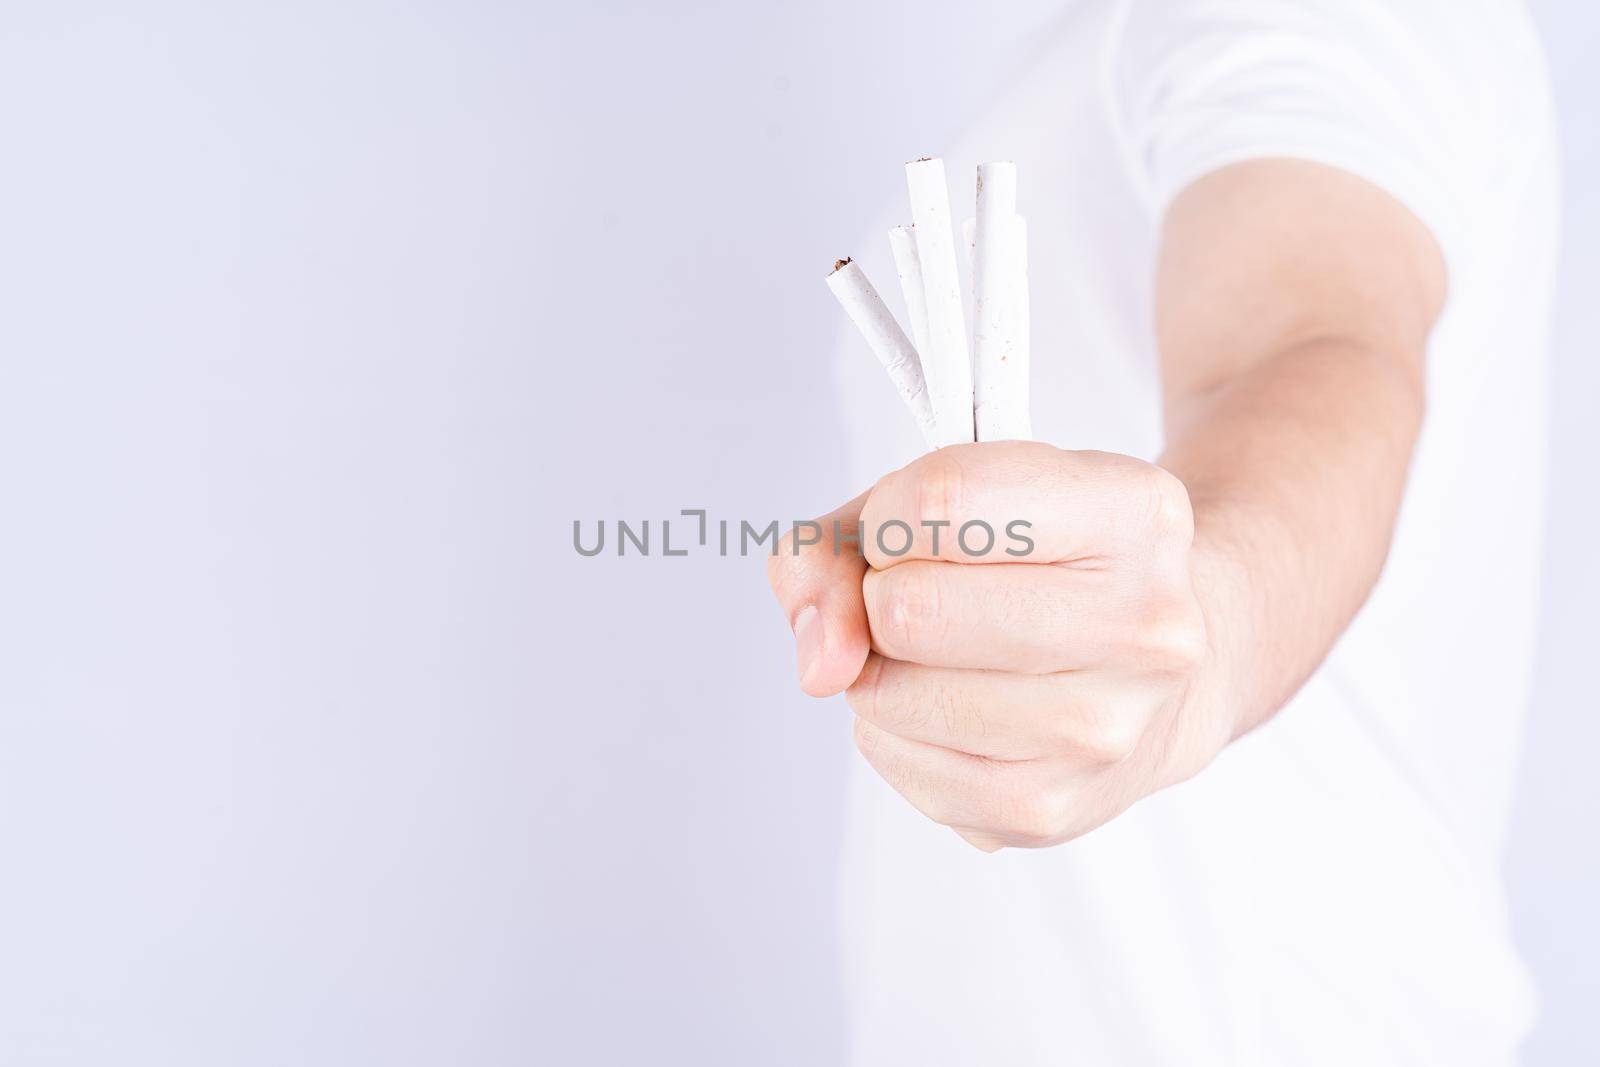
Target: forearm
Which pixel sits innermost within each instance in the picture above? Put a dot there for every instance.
(1295, 468)
(1293, 305)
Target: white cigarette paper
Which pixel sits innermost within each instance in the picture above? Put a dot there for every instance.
(887, 340)
(1000, 308)
(946, 364)
(903, 243)
(1013, 416)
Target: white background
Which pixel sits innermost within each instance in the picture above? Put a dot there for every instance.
(321, 323)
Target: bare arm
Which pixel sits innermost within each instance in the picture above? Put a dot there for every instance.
(1162, 610)
(1293, 306)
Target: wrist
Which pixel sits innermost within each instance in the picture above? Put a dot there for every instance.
(1225, 698)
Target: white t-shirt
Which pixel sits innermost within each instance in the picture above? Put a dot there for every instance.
(1328, 891)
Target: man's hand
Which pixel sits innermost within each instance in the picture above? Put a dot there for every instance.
(1019, 699)
(1027, 702)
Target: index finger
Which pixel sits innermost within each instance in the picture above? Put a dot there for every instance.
(1016, 502)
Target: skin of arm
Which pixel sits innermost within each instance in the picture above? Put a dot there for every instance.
(1164, 610)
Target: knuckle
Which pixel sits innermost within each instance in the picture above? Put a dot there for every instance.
(865, 693)
(1172, 637)
(1061, 733)
(911, 609)
(1110, 738)
(1030, 817)
(913, 702)
(884, 702)
(893, 764)
(940, 486)
(1169, 514)
(1105, 731)
(866, 737)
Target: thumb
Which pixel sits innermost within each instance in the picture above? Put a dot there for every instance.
(818, 585)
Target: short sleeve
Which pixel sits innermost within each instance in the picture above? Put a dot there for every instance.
(1419, 97)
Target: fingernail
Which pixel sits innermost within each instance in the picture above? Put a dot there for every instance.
(808, 640)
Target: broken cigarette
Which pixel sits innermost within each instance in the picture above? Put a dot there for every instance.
(946, 364)
(887, 340)
(903, 243)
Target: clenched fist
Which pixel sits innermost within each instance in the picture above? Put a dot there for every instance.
(1016, 630)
